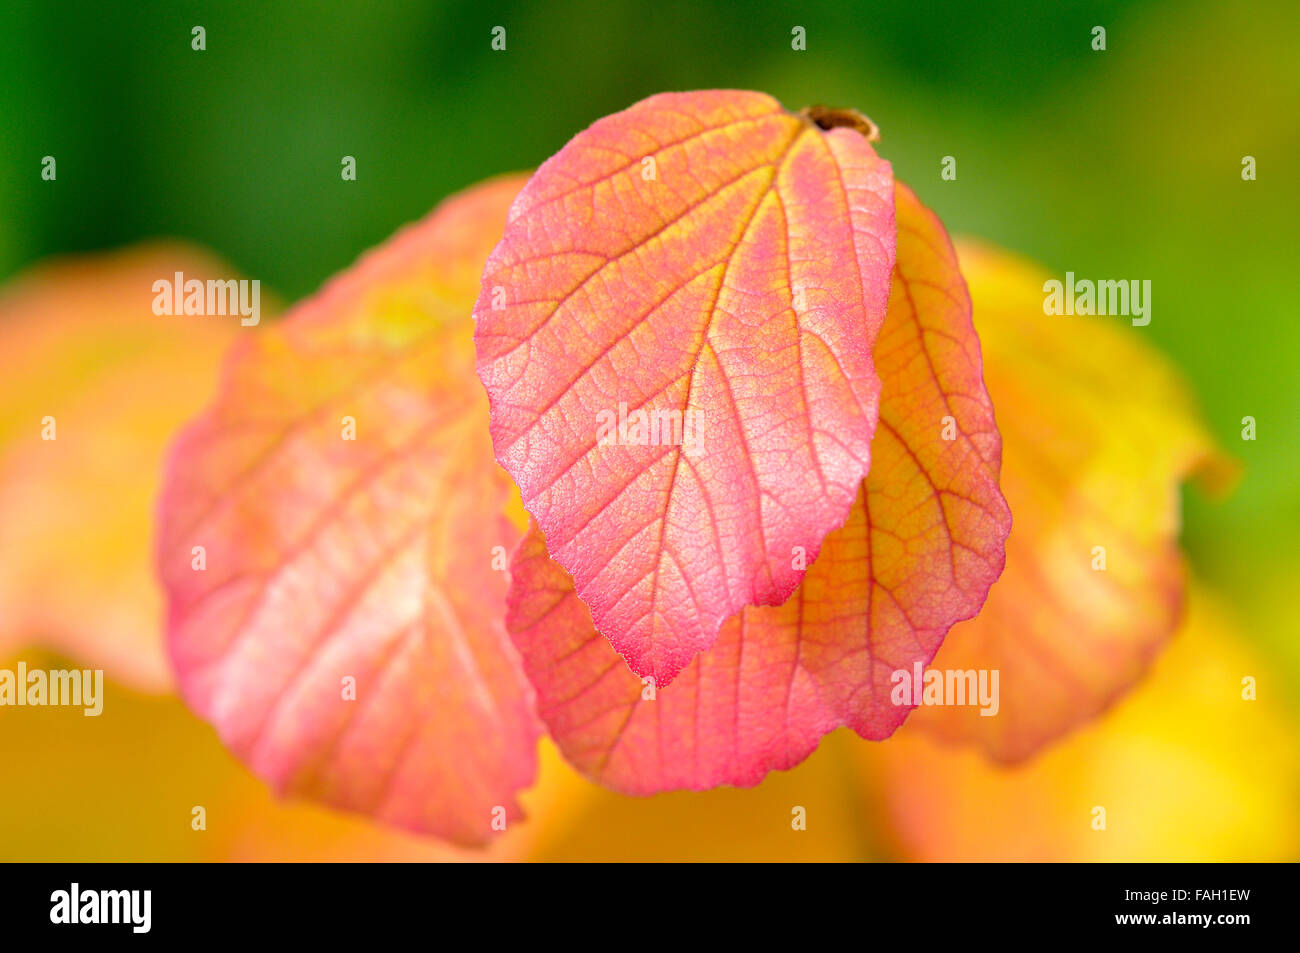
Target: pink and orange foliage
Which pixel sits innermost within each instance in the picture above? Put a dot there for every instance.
(379, 625)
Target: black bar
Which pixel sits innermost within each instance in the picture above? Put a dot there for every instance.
(329, 903)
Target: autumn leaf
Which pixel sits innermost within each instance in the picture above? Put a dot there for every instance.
(921, 547)
(1185, 767)
(1098, 434)
(329, 529)
(676, 337)
(94, 385)
(1188, 768)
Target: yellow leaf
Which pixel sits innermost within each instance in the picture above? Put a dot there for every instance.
(94, 384)
(1184, 770)
(1098, 433)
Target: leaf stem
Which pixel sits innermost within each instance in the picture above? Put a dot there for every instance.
(827, 117)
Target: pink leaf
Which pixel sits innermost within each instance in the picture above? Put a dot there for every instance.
(710, 256)
(922, 545)
(332, 562)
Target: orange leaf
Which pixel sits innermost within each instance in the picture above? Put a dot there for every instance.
(1098, 432)
(93, 386)
(675, 335)
(345, 636)
(921, 547)
(1184, 769)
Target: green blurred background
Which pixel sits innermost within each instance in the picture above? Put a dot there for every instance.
(1123, 163)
